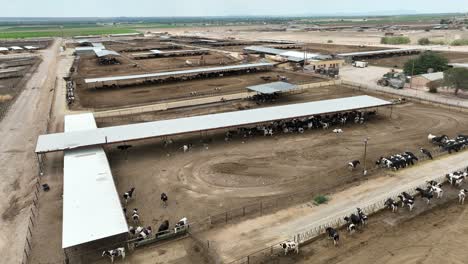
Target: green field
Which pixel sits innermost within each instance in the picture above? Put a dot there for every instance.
(34, 32)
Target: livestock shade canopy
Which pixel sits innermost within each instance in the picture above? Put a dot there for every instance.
(91, 205)
(274, 87)
(116, 134)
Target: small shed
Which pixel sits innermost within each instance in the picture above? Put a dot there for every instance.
(424, 79)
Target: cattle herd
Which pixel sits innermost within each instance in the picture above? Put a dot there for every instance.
(300, 125)
(138, 232)
(70, 93)
(445, 143)
(358, 220)
(397, 161)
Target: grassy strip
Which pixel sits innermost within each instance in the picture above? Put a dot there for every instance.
(66, 32)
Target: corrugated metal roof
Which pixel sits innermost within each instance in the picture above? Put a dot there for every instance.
(262, 49)
(91, 204)
(103, 53)
(459, 65)
(12, 69)
(31, 47)
(273, 87)
(163, 74)
(98, 45)
(292, 55)
(3, 49)
(365, 53)
(433, 76)
(178, 51)
(108, 135)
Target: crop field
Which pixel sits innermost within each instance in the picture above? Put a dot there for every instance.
(56, 31)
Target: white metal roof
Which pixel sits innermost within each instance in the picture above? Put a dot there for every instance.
(375, 52)
(91, 204)
(98, 45)
(3, 49)
(31, 47)
(459, 65)
(433, 76)
(108, 135)
(291, 55)
(163, 74)
(103, 53)
(263, 49)
(16, 48)
(155, 51)
(12, 69)
(273, 87)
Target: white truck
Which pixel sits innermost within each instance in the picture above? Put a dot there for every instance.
(360, 64)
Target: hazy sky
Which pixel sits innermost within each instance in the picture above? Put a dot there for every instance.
(112, 8)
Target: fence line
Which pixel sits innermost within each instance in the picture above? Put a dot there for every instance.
(34, 212)
(447, 103)
(312, 232)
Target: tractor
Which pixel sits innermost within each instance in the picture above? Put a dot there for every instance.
(393, 79)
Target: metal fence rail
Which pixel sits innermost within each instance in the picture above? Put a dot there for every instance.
(414, 95)
(34, 212)
(306, 234)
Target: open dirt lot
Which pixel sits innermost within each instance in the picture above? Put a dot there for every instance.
(218, 175)
(11, 87)
(138, 95)
(88, 66)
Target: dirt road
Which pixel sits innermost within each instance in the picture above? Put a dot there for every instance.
(255, 234)
(19, 130)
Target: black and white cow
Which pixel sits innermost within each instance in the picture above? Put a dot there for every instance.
(128, 195)
(135, 216)
(456, 178)
(407, 200)
(118, 252)
(333, 234)
(436, 188)
(182, 224)
(426, 194)
(353, 164)
(290, 246)
(145, 233)
(353, 221)
(391, 204)
(363, 216)
(164, 199)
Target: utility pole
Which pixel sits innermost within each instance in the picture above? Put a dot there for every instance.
(412, 73)
(365, 156)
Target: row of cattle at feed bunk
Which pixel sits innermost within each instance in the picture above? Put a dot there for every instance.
(300, 125)
(179, 77)
(358, 220)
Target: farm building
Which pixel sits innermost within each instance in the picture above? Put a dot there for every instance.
(316, 60)
(87, 221)
(423, 80)
(378, 53)
(161, 76)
